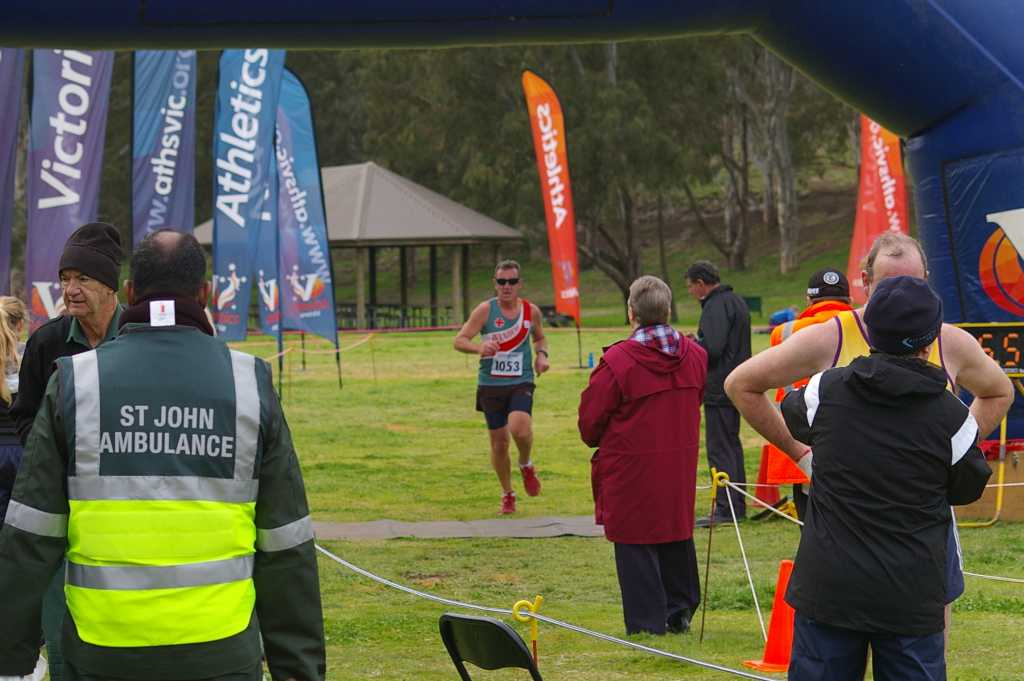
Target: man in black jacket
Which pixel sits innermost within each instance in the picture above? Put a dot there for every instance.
(89, 267)
(724, 333)
(891, 450)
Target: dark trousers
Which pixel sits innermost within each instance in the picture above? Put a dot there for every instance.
(254, 673)
(657, 581)
(725, 453)
(800, 501)
(824, 653)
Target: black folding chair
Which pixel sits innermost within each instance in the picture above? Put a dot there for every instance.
(488, 643)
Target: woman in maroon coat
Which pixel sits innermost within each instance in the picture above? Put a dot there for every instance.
(642, 409)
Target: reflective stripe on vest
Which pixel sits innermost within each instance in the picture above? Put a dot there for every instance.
(160, 559)
(285, 537)
(33, 520)
(122, 578)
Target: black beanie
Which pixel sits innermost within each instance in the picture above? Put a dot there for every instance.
(903, 315)
(95, 250)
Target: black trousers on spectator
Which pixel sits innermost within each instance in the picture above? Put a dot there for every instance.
(657, 581)
(725, 453)
(800, 501)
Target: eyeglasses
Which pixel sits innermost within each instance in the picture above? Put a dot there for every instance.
(509, 282)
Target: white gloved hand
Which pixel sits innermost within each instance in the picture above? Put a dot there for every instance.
(804, 464)
(38, 674)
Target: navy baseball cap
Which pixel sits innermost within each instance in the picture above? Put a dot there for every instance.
(828, 283)
(903, 315)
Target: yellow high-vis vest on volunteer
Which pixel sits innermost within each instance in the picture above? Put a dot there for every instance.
(162, 490)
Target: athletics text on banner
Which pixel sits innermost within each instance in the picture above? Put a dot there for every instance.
(243, 150)
(163, 142)
(549, 145)
(307, 292)
(65, 163)
(881, 198)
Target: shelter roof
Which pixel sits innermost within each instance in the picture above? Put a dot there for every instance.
(368, 205)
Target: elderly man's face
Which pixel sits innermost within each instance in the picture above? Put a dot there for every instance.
(84, 297)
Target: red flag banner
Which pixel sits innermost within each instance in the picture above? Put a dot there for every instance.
(548, 126)
(881, 200)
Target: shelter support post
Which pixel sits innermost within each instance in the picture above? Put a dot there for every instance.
(465, 282)
(458, 315)
(433, 285)
(403, 276)
(361, 288)
(373, 287)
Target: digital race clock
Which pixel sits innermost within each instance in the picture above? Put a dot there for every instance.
(1002, 341)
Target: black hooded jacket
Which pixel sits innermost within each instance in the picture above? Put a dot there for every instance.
(892, 450)
(724, 332)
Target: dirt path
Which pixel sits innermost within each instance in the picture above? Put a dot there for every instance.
(579, 526)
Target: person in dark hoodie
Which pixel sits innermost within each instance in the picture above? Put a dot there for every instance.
(891, 449)
(642, 409)
(724, 332)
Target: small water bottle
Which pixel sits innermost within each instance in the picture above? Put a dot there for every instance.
(590, 361)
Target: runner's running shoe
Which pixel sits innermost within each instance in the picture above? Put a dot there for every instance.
(508, 503)
(530, 480)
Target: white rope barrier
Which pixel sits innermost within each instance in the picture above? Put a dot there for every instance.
(781, 484)
(746, 566)
(766, 505)
(541, 618)
(1014, 580)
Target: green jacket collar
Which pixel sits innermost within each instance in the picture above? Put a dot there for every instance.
(76, 334)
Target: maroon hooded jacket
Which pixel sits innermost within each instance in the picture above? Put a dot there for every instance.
(642, 409)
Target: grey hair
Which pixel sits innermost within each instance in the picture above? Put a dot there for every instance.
(650, 299)
(508, 265)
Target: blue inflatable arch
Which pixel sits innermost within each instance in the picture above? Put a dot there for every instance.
(946, 75)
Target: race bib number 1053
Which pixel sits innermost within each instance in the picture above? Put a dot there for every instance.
(507, 364)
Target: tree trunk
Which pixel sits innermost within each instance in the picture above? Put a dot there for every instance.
(663, 258)
(741, 184)
(853, 130)
(769, 218)
(786, 203)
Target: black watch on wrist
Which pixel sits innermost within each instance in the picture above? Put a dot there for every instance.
(540, 350)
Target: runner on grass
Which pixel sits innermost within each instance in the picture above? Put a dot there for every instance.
(507, 368)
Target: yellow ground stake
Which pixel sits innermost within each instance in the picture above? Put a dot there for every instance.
(517, 612)
(718, 479)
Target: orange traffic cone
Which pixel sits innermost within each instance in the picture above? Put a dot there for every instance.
(767, 493)
(780, 628)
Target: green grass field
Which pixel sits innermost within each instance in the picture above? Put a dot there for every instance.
(402, 441)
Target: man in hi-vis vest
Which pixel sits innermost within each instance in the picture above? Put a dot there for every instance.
(161, 468)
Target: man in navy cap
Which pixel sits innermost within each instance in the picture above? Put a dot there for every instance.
(891, 450)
